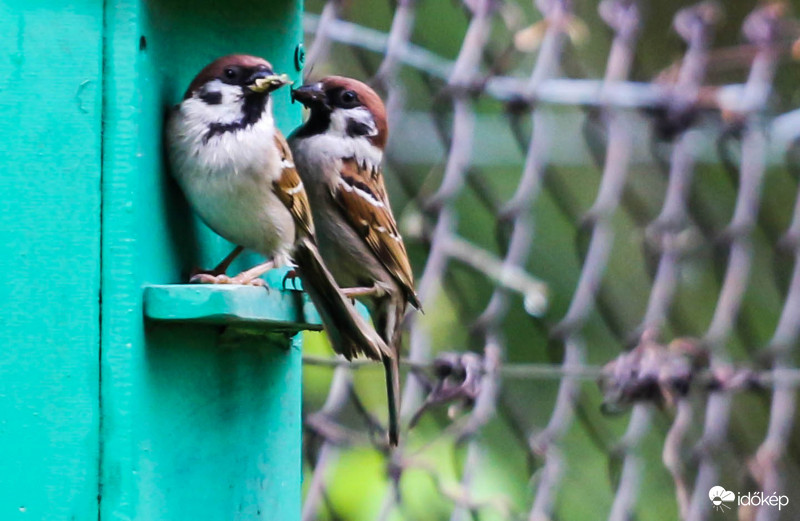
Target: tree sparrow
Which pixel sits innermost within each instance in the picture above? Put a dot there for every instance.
(338, 152)
(237, 172)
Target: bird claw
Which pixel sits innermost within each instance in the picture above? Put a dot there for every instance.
(258, 282)
(208, 278)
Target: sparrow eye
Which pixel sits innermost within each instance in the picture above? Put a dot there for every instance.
(348, 99)
(230, 73)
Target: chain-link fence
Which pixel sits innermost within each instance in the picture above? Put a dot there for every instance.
(589, 193)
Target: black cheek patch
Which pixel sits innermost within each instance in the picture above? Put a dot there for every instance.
(356, 128)
(213, 97)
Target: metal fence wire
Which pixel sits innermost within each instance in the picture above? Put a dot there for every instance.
(602, 214)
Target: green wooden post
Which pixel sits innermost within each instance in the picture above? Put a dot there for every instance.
(194, 426)
(121, 396)
(50, 108)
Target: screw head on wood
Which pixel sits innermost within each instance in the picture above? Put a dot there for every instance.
(299, 57)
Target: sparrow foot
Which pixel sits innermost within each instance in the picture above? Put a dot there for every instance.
(249, 277)
(202, 276)
(208, 278)
(369, 291)
(220, 269)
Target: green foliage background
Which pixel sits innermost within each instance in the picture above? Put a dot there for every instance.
(506, 481)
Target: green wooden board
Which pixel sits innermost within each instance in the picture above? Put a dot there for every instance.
(242, 307)
(50, 106)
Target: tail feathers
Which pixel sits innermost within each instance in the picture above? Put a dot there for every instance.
(391, 366)
(349, 332)
(389, 320)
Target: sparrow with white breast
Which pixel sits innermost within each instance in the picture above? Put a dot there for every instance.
(339, 151)
(237, 172)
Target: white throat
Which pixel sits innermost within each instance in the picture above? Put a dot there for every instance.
(194, 147)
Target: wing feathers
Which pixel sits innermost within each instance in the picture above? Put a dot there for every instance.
(289, 189)
(361, 195)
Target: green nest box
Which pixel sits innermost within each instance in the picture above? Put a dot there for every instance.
(121, 395)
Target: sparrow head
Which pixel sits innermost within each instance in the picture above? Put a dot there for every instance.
(236, 74)
(231, 93)
(344, 107)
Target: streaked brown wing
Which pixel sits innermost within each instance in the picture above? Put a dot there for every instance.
(362, 199)
(289, 189)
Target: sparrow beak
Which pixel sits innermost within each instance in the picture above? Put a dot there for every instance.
(262, 82)
(310, 95)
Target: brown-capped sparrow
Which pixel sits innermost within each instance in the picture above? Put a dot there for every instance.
(338, 152)
(237, 172)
